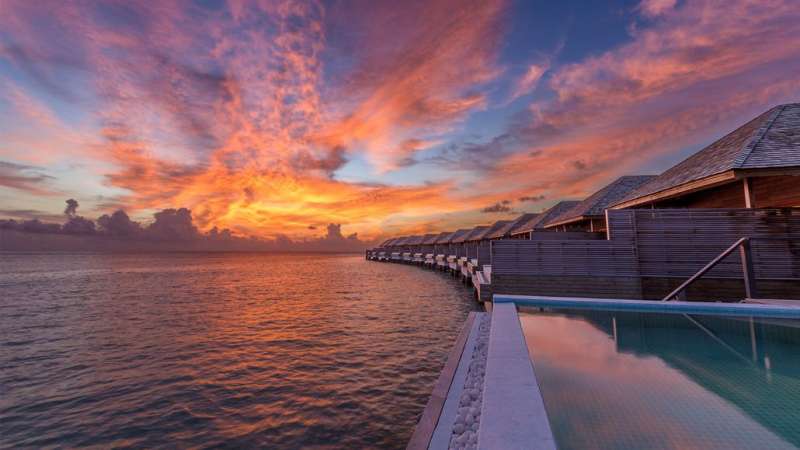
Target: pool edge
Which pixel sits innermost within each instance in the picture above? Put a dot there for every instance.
(677, 307)
(513, 413)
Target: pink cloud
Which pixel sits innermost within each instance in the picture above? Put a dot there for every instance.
(689, 77)
(232, 112)
(654, 8)
(530, 79)
(422, 81)
(225, 111)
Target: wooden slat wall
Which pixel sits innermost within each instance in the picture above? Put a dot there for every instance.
(576, 257)
(567, 286)
(713, 289)
(651, 251)
(778, 191)
(565, 235)
(678, 242)
(472, 250)
(484, 253)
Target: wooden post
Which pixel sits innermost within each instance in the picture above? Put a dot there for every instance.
(753, 346)
(747, 269)
(749, 198)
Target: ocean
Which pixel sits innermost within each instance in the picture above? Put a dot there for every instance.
(219, 350)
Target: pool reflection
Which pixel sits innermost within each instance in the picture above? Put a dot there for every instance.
(631, 380)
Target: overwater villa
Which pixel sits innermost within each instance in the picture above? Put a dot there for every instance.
(537, 222)
(755, 166)
(429, 248)
(440, 247)
(715, 238)
(589, 214)
(511, 227)
(453, 243)
(607, 245)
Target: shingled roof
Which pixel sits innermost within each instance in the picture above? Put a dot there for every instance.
(509, 227)
(596, 204)
(428, 239)
(414, 240)
(537, 222)
(411, 240)
(771, 140)
(491, 229)
(458, 234)
(439, 237)
(399, 241)
(471, 234)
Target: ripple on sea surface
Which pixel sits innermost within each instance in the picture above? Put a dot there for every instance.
(219, 349)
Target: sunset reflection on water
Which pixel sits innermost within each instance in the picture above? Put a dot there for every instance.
(242, 350)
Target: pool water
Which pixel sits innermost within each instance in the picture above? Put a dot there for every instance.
(630, 380)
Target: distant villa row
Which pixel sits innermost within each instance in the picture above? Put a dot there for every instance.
(733, 204)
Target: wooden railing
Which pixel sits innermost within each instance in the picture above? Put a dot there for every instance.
(745, 253)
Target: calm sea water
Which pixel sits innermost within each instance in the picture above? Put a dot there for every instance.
(209, 350)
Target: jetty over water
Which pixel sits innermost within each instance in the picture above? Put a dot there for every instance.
(646, 236)
(722, 226)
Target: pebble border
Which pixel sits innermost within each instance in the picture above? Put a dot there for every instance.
(465, 428)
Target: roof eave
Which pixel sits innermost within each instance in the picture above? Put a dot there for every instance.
(767, 171)
(569, 221)
(679, 190)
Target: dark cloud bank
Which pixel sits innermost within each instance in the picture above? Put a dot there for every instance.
(499, 207)
(171, 230)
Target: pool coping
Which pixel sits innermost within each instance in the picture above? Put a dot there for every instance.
(513, 414)
(675, 307)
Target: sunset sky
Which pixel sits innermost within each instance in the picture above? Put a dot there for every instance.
(388, 117)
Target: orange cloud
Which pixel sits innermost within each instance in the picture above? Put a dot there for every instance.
(247, 113)
(224, 111)
(420, 82)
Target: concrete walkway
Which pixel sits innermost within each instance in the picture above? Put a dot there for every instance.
(513, 413)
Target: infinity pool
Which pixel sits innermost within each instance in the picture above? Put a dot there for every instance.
(632, 380)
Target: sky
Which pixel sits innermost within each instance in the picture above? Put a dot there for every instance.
(278, 118)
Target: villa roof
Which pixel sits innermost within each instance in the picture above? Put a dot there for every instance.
(490, 230)
(508, 228)
(470, 236)
(457, 236)
(399, 241)
(413, 240)
(596, 204)
(770, 141)
(429, 239)
(539, 220)
(441, 237)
